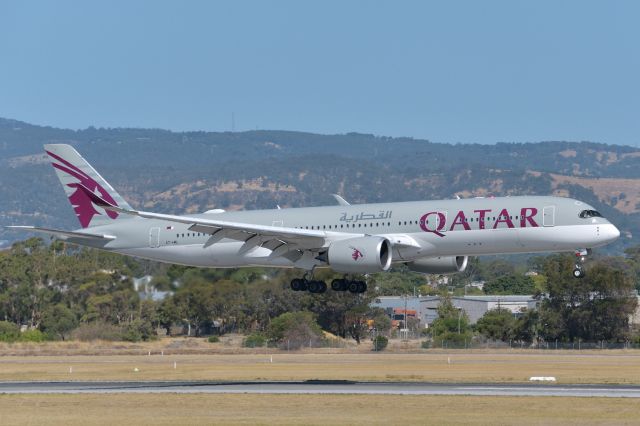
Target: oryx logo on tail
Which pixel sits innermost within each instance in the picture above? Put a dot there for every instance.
(82, 205)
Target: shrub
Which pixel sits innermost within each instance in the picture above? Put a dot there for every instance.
(254, 340)
(58, 321)
(426, 344)
(97, 331)
(138, 330)
(293, 330)
(9, 332)
(380, 343)
(33, 336)
(213, 339)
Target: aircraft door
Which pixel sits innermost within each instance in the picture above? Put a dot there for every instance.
(549, 216)
(154, 237)
(442, 221)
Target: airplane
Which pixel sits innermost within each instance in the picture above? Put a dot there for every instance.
(431, 237)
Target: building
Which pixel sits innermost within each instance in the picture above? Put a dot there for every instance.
(426, 307)
(476, 306)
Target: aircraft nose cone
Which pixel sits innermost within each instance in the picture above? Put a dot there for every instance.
(610, 232)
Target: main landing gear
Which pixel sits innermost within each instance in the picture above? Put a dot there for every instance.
(313, 286)
(578, 272)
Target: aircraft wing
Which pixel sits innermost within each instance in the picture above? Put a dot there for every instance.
(65, 234)
(278, 239)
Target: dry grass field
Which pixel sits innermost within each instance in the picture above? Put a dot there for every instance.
(455, 366)
(173, 409)
(196, 359)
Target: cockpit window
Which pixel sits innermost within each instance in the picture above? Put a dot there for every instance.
(584, 214)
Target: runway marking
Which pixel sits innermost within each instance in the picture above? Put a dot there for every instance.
(322, 387)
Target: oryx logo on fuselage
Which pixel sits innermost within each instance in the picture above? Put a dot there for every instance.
(436, 222)
(82, 204)
(357, 254)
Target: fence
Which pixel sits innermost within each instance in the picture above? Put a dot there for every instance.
(542, 345)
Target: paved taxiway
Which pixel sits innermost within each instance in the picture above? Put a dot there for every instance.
(323, 387)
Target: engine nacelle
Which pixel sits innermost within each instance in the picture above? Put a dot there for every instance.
(360, 255)
(439, 265)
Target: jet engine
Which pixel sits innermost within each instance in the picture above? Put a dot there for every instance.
(439, 265)
(360, 255)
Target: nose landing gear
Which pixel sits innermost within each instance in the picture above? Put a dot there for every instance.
(581, 255)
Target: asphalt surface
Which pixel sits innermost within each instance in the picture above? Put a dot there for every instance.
(323, 387)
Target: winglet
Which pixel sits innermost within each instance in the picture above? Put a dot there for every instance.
(341, 201)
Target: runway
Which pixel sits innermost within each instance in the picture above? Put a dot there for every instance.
(322, 387)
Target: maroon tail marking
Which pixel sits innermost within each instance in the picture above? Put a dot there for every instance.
(80, 201)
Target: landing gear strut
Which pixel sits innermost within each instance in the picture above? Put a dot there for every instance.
(578, 272)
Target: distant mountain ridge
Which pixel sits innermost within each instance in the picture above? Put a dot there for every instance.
(195, 171)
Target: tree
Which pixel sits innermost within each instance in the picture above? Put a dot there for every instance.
(451, 326)
(597, 307)
(194, 304)
(59, 321)
(295, 329)
(510, 284)
(381, 321)
(497, 268)
(497, 324)
(527, 326)
(168, 314)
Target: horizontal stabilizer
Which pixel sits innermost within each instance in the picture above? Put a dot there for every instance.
(64, 234)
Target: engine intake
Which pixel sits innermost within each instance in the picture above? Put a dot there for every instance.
(360, 255)
(439, 265)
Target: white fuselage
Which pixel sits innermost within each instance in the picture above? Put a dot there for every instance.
(466, 227)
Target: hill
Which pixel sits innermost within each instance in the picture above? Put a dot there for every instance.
(177, 172)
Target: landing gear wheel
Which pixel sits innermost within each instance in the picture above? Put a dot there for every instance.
(337, 285)
(362, 286)
(578, 273)
(354, 287)
(297, 284)
(317, 286)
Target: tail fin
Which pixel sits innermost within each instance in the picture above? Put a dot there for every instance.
(73, 170)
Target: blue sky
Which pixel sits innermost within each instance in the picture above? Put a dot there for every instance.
(452, 71)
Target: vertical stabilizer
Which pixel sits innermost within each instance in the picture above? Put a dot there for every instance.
(72, 170)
